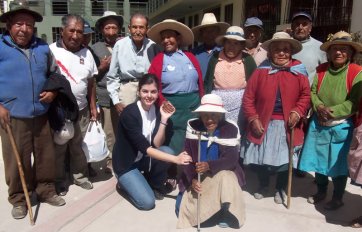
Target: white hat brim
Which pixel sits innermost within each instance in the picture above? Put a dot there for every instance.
(210, 108)
(187, 37)
(296, 45)
(221, 25)
(220, 39)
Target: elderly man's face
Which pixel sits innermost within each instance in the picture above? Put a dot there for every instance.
(232, 48)
(339, 55)
(138, 29)
(72, 35)
(110, 30)
(170, 40)
(253, 34)
(21, 29)
(280, 53)
(301, 28)
(209, 34)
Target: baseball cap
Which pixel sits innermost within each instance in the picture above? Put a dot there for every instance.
(302, 13)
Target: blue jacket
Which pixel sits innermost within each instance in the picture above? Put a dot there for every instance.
(22, 78)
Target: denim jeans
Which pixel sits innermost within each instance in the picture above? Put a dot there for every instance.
(138, 182)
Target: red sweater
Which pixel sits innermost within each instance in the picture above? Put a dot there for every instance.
(260, 94)
(156, 68)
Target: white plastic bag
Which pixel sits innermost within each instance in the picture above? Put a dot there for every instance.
(94, 143)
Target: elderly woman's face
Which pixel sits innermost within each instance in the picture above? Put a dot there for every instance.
(170, 40)
(339, 55)
(211, 120)
(280, 52)
(232, 48)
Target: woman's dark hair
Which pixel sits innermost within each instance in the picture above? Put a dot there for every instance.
(147, 79)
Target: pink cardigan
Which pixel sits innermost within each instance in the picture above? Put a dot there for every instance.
(156, 68)
(260, 94)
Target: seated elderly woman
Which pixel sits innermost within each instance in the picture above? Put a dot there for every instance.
(139, 159)
(229, 70)
(276, 98)
(221, 174)
(179, 74)
(336, 92)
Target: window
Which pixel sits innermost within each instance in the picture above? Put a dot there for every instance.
(60, 7)
(97, 8)
(229, 14)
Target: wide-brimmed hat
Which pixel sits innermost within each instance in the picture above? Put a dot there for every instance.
(87, 28)
(209, 20)
(169, 24)
(20, 8)
(233, 32)
(211, 103)
(283, 37)
(342, 38)
(253, 21)
(107, 15)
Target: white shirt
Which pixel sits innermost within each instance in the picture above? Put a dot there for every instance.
(78, 68)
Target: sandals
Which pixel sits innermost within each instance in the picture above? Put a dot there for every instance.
(356, 223)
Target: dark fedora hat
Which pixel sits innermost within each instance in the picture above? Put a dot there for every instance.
(20, 8)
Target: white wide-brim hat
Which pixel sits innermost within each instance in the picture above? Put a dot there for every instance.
(187, 37)
(109, 15)
(211, 103)
(342, 38)
(283, 37)
(209, 20)
(233, 32)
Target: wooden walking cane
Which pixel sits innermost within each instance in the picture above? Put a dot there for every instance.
(21, 173)
(199, 180)
(290, 171)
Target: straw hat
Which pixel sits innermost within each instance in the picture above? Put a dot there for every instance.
(342, 38)
(20, 8)
(169, 24)
(283, 37)
(211, 103)
(233, 32)
(108, 15)
(209, 20)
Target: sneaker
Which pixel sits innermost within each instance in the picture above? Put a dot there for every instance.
(318, 197)
(333, 204)
(261, 193)
(55, 200)
(85, 185)
(280, 196)
(158, 194)
(19, 212)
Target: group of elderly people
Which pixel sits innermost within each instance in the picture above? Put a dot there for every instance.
(193, 103)
(268, 102)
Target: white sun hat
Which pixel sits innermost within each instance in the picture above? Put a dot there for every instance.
(233, 32)
(211, 103)
(209, 20)
(187, 37)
